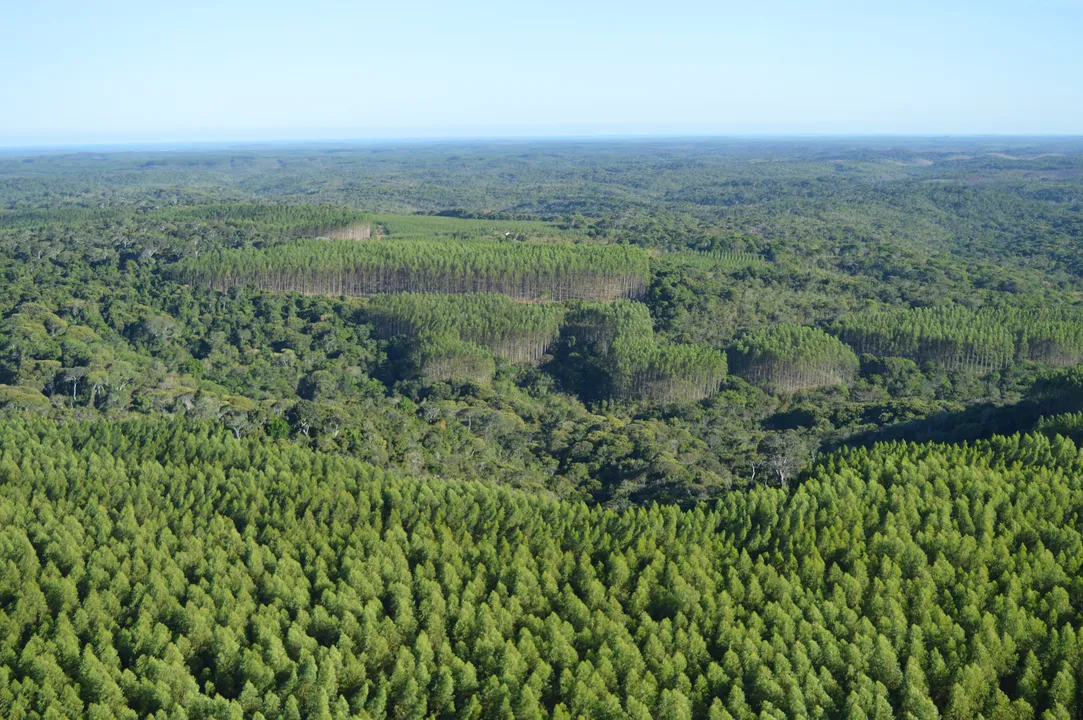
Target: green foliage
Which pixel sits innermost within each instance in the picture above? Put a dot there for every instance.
(520, 332)
(643, 367)
(23, 398)
(601, 324)
(156, 566)
(295, 220)
(430, 227)
(716, 260)
(92, 320)
(1069, 425)
(792, 357)
(960, 338)
(529, 271)
(286, 505)
(446, 357)
(299, 220)
(638, 364)
(1060, 391)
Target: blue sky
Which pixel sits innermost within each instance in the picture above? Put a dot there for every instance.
(121, 71)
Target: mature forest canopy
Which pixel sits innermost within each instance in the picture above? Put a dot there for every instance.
(551, 429)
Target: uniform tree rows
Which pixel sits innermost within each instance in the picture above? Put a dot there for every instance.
(520, 332)
(599, 324)
(717, 259)
(1052, 337)
(647, 368)
(524, 271)
(452, 336)
(960, 338)
(638, 363)
(444, 356)
(792, 357)
(156, 569)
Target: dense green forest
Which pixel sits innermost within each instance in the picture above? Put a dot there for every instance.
(152, 567)
(697, 428)
(947, 267)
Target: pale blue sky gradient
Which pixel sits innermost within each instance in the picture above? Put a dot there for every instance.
(122, 71)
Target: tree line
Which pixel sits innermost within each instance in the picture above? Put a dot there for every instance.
(292, 219)
(715, 260)
(443, 227)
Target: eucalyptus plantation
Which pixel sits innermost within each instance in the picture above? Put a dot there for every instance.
(639, 364)
(711, 260)
(961, 338)
(519, 332)
(792, 357)
(525, 271)
(161, 568)
(447, 357)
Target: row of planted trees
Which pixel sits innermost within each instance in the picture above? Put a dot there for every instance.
(444, 356)
(646, 368)
(154, 568)
(524, 271)
(640, 365)
(980, 340)
(519, 332)
(788, 358)
(715, 260)
(456, 336)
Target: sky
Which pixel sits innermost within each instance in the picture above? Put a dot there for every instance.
(117, 71)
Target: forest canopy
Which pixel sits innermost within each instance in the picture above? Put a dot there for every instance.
(265, 578)
(641, 429)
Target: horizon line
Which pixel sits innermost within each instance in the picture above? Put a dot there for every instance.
(498, 137)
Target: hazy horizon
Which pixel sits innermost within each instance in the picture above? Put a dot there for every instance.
(240, 71)
(119, 145)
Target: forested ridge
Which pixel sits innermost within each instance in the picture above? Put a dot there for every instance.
(668, 429)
